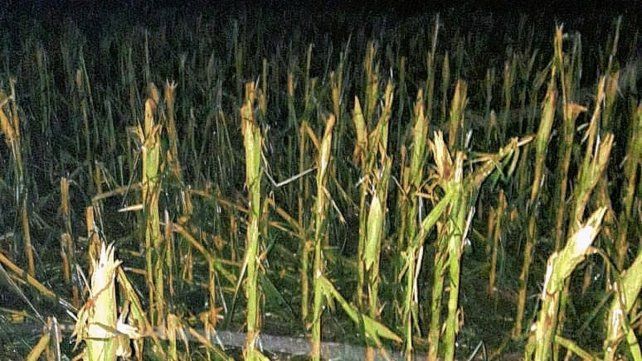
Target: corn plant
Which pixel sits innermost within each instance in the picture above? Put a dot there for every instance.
(559, 267)
(99, 324)
(543, 134)
(320, 228)
(10, 126)
(252, 142)
(618, 321)
(634, 153)
(149, 136)
(454, 230)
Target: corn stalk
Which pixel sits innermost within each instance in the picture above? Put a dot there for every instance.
(543, 135)
(560, 265)
(105, 333)
(149, 136)
(627, 290)
(320, 226)
(252, 142)
(10, 126)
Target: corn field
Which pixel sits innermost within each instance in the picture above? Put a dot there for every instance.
(240, 187)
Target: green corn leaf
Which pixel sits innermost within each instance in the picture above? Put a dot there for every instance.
(431, 219)
(375, 225)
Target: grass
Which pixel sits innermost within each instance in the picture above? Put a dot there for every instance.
(454, 202)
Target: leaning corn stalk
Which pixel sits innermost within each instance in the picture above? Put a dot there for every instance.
(559, 268)
(634, 154)
(106, 334)
(627, 290)
(252, 142)
(593, 167)
(541, 142)
(10, 127)
(320, 225)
